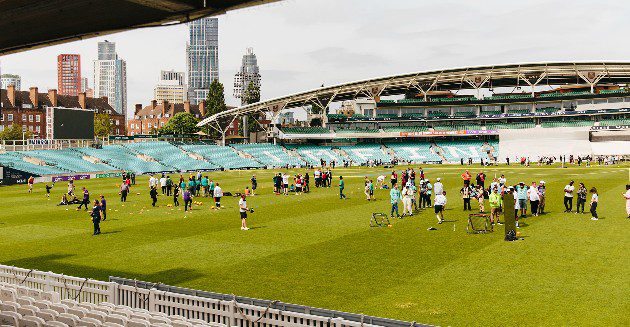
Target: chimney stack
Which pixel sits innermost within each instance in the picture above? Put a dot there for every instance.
(11, 94)
(164, 107)
(82, 102)
(138, 108)
(52, 96)
(187, 106)
(34, 96)
(153, 104)
(202, 108)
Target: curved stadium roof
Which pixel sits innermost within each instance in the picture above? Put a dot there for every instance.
(510, 75)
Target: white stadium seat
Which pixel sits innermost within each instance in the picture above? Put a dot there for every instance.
(9, 306)
(54, 324)
(156, 320)
(79, 312)
(25, 300)
(112, 324)
(28, 310)
(118, 319)
(42, 304)
(30, 321)
(90, 322)
(100, 316)
(59, 307)
(138, 323)
(181, 323)
(70, 303)
(48, 314)
(86, 305)
(10, 318)
(36, 294)
(68, 319)
(7, 294)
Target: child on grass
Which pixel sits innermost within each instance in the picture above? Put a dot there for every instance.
(594, 201)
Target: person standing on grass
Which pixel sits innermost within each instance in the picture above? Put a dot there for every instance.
(568, 197)
(307, 181)
(521, 196)
(466, 177)
(466, 193)
(581, 198)
(163, 184)
(594, 201)
(542, 191)
(254, 184)
(394, 196)
(439, 204)
(496, 202)
(406, 200)
(31, 181)
(481, 179)
(342, 185)
(95, 214)
(86, 199)
(205, 186)
(48, 188)
(176, 196)
(153, 193)
(103, 205)
(372, 190)
(285, 184)
(480, 195)
(242, 208)
(211, 185)
(366, 190)
(394, 178)
(124, 191)
(627, 197)
(187, 200)
(218, 193)
(438, 187)
(427, 199)
(152, 182)
(534, 198)
(169, 185)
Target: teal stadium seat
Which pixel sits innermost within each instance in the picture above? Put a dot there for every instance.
(269, 154)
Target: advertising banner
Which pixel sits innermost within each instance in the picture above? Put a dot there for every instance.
(107, 175)
(70, 177)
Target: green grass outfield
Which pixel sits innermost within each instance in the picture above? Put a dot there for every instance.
(317, 250)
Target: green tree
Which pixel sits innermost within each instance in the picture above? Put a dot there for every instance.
(215, 102)
(102, 125)
(14, 132)
(251, 95)
(181, 123)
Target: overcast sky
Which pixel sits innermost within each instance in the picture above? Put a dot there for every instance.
(302, 44)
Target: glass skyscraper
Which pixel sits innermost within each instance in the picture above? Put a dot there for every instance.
(110, 77)
(249, 73)
(202, 57)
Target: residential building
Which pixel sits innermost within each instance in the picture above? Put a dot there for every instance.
(249, 73)
(69, 74)
(202, 57)
(110, 77)
(170, 87)
(11, 79)
(28, 108)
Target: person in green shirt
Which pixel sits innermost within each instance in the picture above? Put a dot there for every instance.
(394, 196)
(342, 185)
(212, 186)
(496, 202)
(169, 185)
(204, 185)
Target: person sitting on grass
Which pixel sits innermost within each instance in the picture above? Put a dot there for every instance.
(438, 205)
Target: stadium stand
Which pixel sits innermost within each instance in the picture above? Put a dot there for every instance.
(313, 154)
(514, 125)
(396, 129)
(414, 115)
(363, 152)
(269, 154)
(614, 122)
(121, 158)
(414, 152)
(16, 160)
(390, 116)
(509, 96)
(222, 156)
(548, 109)
(305, 130)
(357, 130)
(171, 156)
(67, 159)
(554, 124)
(453, 151)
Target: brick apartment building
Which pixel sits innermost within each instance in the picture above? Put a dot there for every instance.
(146, 120)
(28, 108)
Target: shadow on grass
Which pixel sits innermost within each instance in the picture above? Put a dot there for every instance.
(172, 276)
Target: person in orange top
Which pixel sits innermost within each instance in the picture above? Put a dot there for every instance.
(466, 176)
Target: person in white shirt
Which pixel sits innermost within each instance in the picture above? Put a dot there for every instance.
(502, 181)
(494, 185)
(438, 187)
(285, 184)
(568, 197)
(242, 208)
(594, 201)
(380, 180)
(218, 193)
(163, 184)
(438, 205)
(406, 200)
(152, 182)
(534, 198)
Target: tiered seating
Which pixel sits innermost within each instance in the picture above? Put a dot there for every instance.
(437, 114)
(360, 116)
(269, 154)
(562, 94)
(548, 110)
(514, 125)
(363, 152)
(490, 112)
(223, 156)
(121, 158)
(444, 128)
(313, 154)
(414, 152)
(518, 111)
(454, 99)
(460, 126)
(396, 129)
(387, 101)
(391, 116)
(14, 160)
(67, 159)
(22, 306)
(305, 130)
(415, 115)
(509, 96)
(356, 130)
(336, 116)
(456, 150)
(621, 90)
(170, 155)
(465, 114)
(579, 123)
(614, 122)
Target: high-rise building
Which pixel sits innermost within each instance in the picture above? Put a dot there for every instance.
(110, 77)
(249, 73)
(85, 87)
(202, 57)
(69, 74)
(11, 79)
(170, 87)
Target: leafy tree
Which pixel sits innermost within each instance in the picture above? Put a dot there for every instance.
(215, 102)
(316, 122)
(181, 123)
(14, 132)
(252, 95)
(102, 125)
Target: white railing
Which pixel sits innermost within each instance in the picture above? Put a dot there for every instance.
(228, 310)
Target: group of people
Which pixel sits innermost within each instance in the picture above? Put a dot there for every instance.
(582, 193)
(196, 186)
